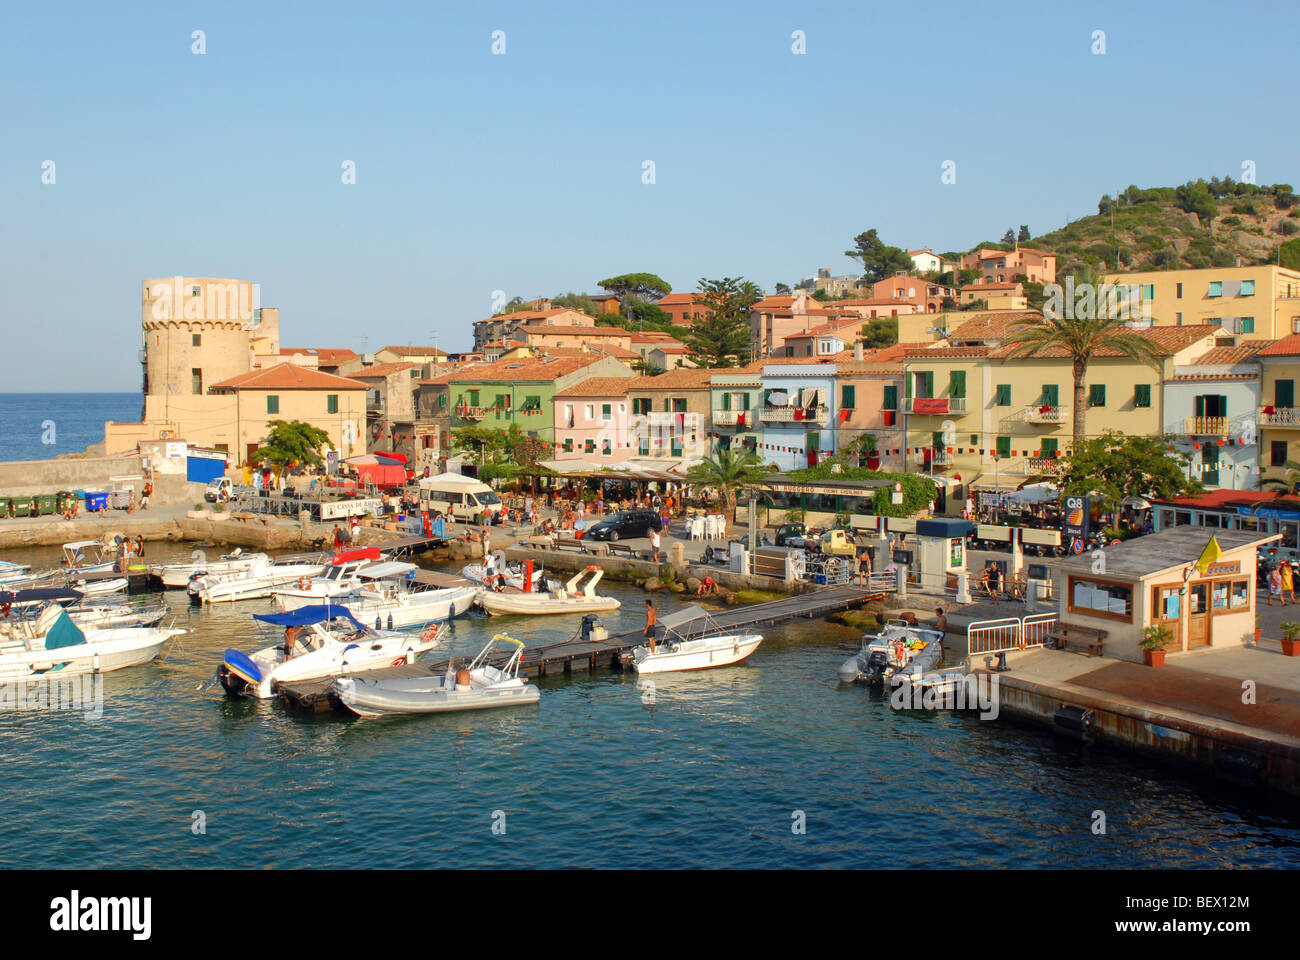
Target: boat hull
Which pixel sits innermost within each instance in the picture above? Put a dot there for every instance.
(416, 609)
(499, 604)
(371, 698)
(119, 648)
(700, 654)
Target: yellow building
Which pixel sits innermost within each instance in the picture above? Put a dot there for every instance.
(981, 418)
(1257, 303)
(1279, 415)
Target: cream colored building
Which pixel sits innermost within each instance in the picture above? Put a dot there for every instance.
(1258, 303)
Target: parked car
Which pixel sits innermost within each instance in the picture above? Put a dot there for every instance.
(629, 523)
(788, 532)
(220, 484)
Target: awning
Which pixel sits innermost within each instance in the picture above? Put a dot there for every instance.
(306, 616)
(1034, 493)
(992, 483)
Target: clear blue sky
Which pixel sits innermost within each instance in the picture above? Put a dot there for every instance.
(522, 172)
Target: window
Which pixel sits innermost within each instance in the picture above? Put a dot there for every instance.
(1210, 465)
(643, 447)
(1284, 393)
(607, 411)
(332, 403)
(1211, 405)
(1047, 447)
(272, 403)
(1004, 446)
(442, 401)
(473, 398)
(1051, 395)
(1178, 290)
(196, 380)
(591, 411)
(957, 383)
(589, 446)
(679, 405)
(1095, 598)
(1003, 396)
(196, 340)
(640, 405)
(1246, 325)
(676, 446)
(1216, 289)
(1178, 319)
(1148, 291)
(532, 404)
(1097, 395)
(1247, 288)
(606, 448)
(1277, 453)
(974, 439)
(891, 397)
(848, 397)
(568, 444)
(1142, 395)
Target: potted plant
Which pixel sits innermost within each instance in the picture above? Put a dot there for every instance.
(1291, 639)
(1154, 640)
(1259, 628)
(869, 454)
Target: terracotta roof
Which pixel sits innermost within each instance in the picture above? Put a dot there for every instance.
(328, 356)
(288, 376)
(994, 325)
(681, 378)
(414, 351)
(597, 387)
(672, 348)
(1168, 341)
(827, 358)
(574, 331)
(676, 299)
(525, 369)
(1199, 377)
(383, 369)
(991, 286)
(1286, 347)
(945, 353)
(521, 316)
(926, 250)
(874, 302)
(653, 336)
(1224, 356)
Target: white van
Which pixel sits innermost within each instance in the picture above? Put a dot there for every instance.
(464, 498)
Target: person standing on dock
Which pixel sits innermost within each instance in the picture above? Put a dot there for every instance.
(338, 538)
(651, 618)
(654, 546)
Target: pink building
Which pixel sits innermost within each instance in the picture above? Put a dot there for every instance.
(592, 421)
(870, 386)
(927, 297)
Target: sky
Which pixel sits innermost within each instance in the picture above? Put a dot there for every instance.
(524, 172)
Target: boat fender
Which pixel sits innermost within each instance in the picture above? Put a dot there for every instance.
(304, 583)
(462, 679)
(899, 650)
(5, 610)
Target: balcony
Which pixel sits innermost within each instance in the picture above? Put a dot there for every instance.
(793, 414)
(934, 406)
(1279, 416)
(1042, 465)
(1046, 414)
(471, 413)
(731, 418)
(1206, 426)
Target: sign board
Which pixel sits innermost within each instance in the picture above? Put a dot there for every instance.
(898, 497)
(1077, 519)
(338, 509)
(175, 451)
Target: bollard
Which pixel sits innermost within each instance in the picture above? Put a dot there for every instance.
(902, 580)
(678, 551)
(963, 587)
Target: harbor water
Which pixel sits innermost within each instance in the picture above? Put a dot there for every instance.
(772, 763)
(38, 426)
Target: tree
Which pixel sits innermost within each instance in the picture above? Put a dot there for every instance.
(1194, 197)
(1114, 466)
(880, 332)
(1290, 477)
(721, 337)
(294, 443)
(1009, 236)
(647, 286)
(513, 305)
(879, 260)
(487, 442)
(1081, 338)
(642, 315)
(728, 473)
(1024, 233)
(576, 301)
(782, 288)
(1288, 255)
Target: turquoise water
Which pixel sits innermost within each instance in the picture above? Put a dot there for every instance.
(709, 775)
(38, 426)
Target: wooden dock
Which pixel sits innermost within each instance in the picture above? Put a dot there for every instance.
(573, 656)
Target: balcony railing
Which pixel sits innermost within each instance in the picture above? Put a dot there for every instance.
(1206, 426)
(1042, 465)
(1045, 413)
(471, 413)
(934, 406)
(792, 414)
(1279, 416)
(940, 458)
(731, 418)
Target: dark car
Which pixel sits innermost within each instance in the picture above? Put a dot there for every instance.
(629, 523)
(791, 531)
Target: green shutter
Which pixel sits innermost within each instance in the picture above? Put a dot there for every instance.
(332, 403)
(1097, 395)
(1247, 325)
(744, 399)
(1199, 406)
(606, 411)
(907, 385)
(1004, 446)
(1051, 394)
(1047, 447)
(1284, 393)
(272, 404)
(726, 401)
(1247, 288)
(928, 378)
(848, 397)
(957, 383)
(1142, 395)
(891, 397)
(1003, 395)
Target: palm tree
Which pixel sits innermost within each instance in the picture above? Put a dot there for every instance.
(1080, 339)
(1290, 477)
(728, 472)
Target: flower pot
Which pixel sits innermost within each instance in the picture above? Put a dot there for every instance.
(1291, 648)
(1154, 658)
(1258, 631)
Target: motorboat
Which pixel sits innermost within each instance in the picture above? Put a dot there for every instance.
(259, 580)
(326, 641)
(89, 556)
(476, 573)
(100, 587)
(104, 615)
(571, 598)
(53, 644)
(17, 602)
(898, 648)
(717, 650)
(339, 580)
(176, 576)
(387, 599)
(480, 686)
(11, 572)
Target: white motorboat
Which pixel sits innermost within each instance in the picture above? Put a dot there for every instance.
(898, 648)
(89, 556)
(475, 573)
(11, 572)
(387, 600)
(99, 588)
(327, 641)
(480, 686)
(176, 576)
(258, 581)
(53, 644)
(339, 580)
(672, 653)
(567, 599)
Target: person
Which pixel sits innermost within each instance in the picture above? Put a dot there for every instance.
(146, 494)
(864, 563)
(338, 538)
(1288, 583)
(139, 545)
(707, 588)
(489, 568)
(1275, 586)
(940, 620)
(995, 576)
(500, 585)
(654, 546)
(290, 638)
(651, 618)
(257, 482)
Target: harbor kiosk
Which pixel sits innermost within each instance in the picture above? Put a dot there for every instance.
(939, 546)
(1157, 579)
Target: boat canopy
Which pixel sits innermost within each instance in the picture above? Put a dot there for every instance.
(392, 568)
(352, 556)
(64, 633)
(306, 616)
(57, 594)
(78, 544)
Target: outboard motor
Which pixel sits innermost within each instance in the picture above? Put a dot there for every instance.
(877, 664)
(588, 624)
(192, 588)
(390, 621)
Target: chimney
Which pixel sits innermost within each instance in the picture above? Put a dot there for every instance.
(857, 350)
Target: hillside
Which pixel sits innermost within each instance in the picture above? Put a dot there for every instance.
(1201, 224)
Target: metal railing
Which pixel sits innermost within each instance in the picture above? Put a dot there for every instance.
(471, 413)
(955, 405)
(788, 414)
(1045, 414)
(1206, 426)
(1280, 417)
(728, 418)
(1042, 464)
(985, 637)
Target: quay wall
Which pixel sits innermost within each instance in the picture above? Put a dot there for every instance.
(1218, 747)
(26, 477)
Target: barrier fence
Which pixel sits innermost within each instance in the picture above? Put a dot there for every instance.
(1009, 633)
